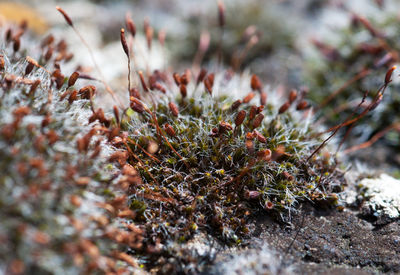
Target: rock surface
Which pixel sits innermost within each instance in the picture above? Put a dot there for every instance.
(327, 242)
(382, 197)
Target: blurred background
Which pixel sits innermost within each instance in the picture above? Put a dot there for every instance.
(282, 28)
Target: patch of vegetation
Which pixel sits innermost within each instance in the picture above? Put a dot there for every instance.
(353, 62)
(237, 41)
(209, 163)
(186, 158)
(59, 208)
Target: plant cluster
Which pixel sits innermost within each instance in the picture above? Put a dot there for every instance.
(237, 43)
(210, 163)
(60, 210)
(352, 65)
(90, 192)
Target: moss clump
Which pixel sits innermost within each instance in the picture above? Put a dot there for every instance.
(211, 163)
(354, 61)
(56, 217)
(256, 33)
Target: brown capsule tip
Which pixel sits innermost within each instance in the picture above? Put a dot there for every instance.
(240, 117)
(214, 132)
(224, 126)
(249, 97)
(149, 36)
(185, 78)
(302, 105)
(292, 96)
(8, 35)
(236, 104)
(87, 92)
(134, 92)
(21, 111)
(211, 78)
(73, 96)
(143, 82)
(201, 76)
(183, 90)
(287, 176)
(32, 61)
(29, 68)
(47, 41)
(169, 130)
(264, 155)
(66, 17)
(208, 86)
(258, 120)
(130, 25)
(269, 205)
(253, 112)
(17, 44)
(177, 79)
(34, 87)
(174, 109)
(72, 79)
(285, 106)
(260, 137)
(263, 98)
(160, 88)
(255, 83)
(388, 75)
(116, 114)
(136, 105)
(250, 135)
(249, 144)
(49, 54)
(123, 42)
(2, 63)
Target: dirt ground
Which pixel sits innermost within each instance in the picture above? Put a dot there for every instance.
(330, 242)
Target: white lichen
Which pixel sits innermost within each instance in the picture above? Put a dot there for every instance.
(382, 196)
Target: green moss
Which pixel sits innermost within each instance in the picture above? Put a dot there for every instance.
(206, 174)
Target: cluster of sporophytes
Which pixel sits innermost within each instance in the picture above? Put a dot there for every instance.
(236, 43)
(189, 155)
(60, 211)
(212, 162)
(209, 162)
(352, 65)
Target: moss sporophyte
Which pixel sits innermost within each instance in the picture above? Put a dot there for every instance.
(351, 62)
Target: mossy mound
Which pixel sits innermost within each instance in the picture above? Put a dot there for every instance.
(59, 208)
(353, 62)
(211, 163)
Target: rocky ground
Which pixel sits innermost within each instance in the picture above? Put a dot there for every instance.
(320, 242)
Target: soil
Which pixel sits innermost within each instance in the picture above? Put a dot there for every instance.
(331, 242)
